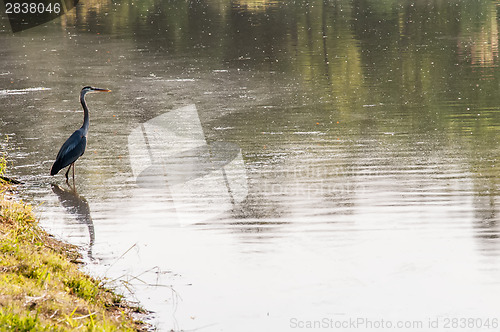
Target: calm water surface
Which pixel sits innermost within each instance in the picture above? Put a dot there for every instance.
(264, 165)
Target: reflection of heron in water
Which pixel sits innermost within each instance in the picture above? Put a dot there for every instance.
(77, 206)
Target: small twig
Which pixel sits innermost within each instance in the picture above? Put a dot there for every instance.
(86, 316)
(54, 314)
(9, 180)
(134, 245)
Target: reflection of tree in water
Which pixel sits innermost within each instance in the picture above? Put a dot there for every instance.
(485, 212)
(486, 216)
(486, 225)
(77, 206)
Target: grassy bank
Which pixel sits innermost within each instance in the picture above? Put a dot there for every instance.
(41, 287)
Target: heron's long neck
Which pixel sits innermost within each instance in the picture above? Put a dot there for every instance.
(86, 119)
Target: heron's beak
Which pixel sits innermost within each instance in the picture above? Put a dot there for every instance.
(102, 90)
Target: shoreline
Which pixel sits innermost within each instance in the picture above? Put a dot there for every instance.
(41, 285)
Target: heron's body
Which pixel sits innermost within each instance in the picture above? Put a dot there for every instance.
(75, 145)
(71, 150)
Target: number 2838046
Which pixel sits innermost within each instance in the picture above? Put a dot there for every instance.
(32, 8)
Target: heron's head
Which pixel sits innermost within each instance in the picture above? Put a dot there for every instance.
(90, 89)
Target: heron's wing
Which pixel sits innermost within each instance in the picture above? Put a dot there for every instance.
(71, 150)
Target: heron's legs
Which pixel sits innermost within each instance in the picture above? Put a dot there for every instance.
(67, 172)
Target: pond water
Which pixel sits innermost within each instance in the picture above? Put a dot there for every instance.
(271, 165)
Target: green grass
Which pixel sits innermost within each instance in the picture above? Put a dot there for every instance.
(15, 322)
(41, 287)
